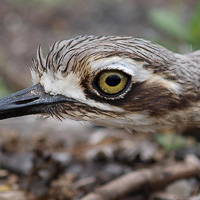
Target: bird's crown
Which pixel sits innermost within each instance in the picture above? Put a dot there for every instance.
(105, 67)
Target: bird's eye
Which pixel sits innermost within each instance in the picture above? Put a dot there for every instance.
(111, 82)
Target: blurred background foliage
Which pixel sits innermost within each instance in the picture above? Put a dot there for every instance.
(24, 25)
(171, 141)
(172, 22)
(3, 89)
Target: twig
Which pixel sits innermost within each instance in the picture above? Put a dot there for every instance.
(151, 178)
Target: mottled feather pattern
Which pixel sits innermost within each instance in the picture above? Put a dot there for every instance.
(74, 54)
(65, 52)
(172, 86)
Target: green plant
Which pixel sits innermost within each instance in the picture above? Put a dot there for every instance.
(172, 23)
(172, 141)
(3, 89)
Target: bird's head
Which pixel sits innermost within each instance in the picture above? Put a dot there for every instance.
(110, 80)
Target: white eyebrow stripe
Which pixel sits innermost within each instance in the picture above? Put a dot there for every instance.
(135, 69)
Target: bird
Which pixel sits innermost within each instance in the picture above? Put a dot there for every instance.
(112, 81)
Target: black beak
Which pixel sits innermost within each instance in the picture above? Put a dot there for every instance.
(31, 100)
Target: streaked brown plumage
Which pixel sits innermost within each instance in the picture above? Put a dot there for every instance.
(160, 90)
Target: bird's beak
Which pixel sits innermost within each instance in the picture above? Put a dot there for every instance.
(32, 100)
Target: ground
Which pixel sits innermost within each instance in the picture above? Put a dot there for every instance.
(41, 160)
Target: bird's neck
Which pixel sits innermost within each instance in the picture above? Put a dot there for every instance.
(195, 57)
(187, 69)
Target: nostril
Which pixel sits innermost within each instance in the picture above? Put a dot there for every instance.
(26, 101)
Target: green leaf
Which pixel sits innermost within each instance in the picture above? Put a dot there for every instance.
(170, 23)
(194, 27)
(3, 90)
(171, 141)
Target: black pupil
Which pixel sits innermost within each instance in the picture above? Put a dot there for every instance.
(113, 80)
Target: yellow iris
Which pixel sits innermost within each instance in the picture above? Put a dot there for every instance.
(112, 81)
